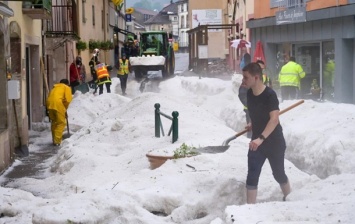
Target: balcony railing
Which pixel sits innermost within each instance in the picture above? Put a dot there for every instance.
(64, 21)
(288, 3)
(40, 10)
(295, 3)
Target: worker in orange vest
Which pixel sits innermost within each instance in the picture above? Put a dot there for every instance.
(103, 77)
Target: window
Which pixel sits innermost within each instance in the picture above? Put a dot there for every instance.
(108, 22)
(93, 15)
(83, 11)
(102, 20)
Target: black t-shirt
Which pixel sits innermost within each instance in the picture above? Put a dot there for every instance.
(259, 108)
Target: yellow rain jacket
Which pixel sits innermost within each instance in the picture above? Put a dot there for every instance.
(59, 98)
(291, 74)
(57, 104)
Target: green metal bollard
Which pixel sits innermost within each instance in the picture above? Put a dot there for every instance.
(157, 120)
(175, 126)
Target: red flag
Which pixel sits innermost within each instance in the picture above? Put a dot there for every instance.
(259, 52)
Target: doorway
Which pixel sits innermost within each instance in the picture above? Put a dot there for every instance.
(308, 55)
(28, 87)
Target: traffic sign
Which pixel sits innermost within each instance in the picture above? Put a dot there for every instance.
(128, 18)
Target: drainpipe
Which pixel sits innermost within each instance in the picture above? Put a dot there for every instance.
(105, 25)
(233, 34)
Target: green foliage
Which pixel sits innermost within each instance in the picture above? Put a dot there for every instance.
(94, 44)
(106, 45)
(81, 45)
(102, 45)
(184, 151)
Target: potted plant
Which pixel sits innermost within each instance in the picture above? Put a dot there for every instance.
(27, 4)
(94, 44)
(181, 152)
(106, 45)
(81, 46)
(37, 4)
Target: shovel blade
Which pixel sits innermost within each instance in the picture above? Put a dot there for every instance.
(213, 149)
(22, 151)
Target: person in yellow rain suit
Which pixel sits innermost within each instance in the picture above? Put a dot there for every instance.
(57, 104)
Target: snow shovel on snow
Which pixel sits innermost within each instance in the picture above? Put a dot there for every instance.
(225, 146)
(68, 131)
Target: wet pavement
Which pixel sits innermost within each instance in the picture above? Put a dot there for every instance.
(31, 166)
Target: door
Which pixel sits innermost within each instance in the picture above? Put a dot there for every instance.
(308, 55)
(28, 88)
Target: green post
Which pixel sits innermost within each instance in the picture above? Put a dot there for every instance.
(157, 120)
(175, 126)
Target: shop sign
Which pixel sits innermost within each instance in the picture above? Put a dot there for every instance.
(294, 15)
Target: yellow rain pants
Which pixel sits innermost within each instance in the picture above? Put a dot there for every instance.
(58, 123)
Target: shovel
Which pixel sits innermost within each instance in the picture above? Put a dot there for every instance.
(225, 146)
(68, 134)
(22, 149)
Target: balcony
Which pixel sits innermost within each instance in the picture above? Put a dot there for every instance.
(64, 20)
(37, 9)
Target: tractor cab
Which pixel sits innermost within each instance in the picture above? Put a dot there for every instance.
(154, 43)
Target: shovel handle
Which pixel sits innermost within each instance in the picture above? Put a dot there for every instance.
(291, 107)
(246, 130)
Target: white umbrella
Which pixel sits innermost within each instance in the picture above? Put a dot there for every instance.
(238, 43)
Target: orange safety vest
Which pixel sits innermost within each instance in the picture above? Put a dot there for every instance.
(102, 74)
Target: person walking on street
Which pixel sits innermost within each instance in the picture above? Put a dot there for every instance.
(103, 77)
(74, 73)
(266, 77)
(242, 95)
(246, 58)
(267, 140)
(122, 72)
(290, 79)
(57, 104)
(92, 63)
(82, 72)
